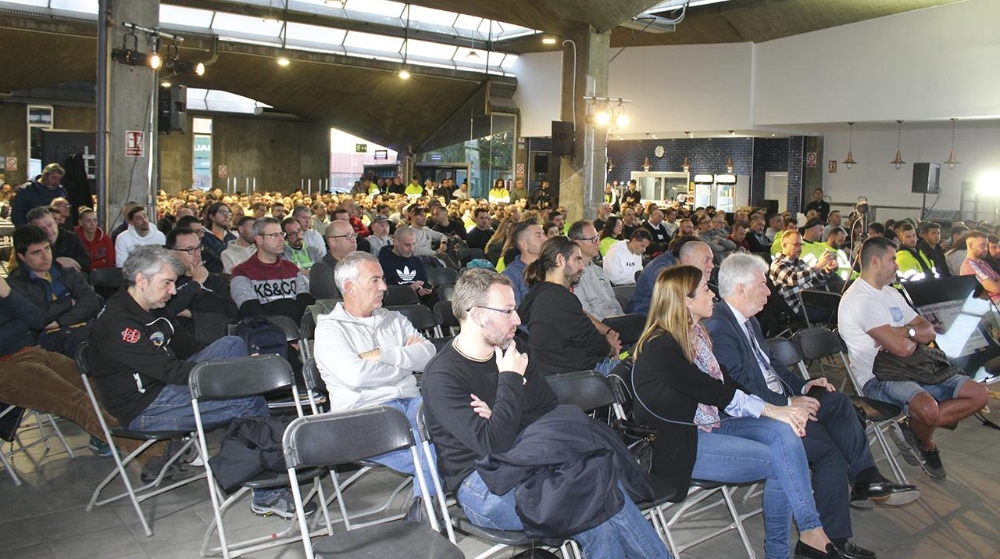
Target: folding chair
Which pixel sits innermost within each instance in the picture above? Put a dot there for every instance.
(788, 353)
(240, 378)
(151, 489)
(624, 294)
(620, 382)
(441, 276)
(822, 300)
(817, 343)
(457, 520)
(396, 295)
(316, 392)
(446, 292)
(446, 318)
(628, 326)
(18, 421)
(421, 317)
(342, 438)
(106, 281)
(467, 255)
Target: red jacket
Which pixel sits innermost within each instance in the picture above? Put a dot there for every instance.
(101, 250)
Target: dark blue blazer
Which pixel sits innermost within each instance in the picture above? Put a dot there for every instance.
(733, 351)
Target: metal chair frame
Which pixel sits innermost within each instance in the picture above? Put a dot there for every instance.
(39, 424)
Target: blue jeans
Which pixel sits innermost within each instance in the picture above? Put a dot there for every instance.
(900, 392)
(172, 411)
(400, 460)
(627, 533)
(606, 365)
(747, 449)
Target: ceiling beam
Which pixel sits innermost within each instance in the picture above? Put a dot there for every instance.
(324, 20)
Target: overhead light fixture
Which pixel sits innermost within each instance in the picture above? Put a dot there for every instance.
(690, 135)
(732, 132)
(282, 61)
(952, 160)
(898, 161)
(611, 165)
(849, 162)
(686, 166)
(335, 3)
(404, 74)
(548, 40)
(646, 165)
(729, 165)
(472, 55)
(129, 54)
(165, 83)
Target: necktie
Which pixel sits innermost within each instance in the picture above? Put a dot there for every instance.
(765, 363)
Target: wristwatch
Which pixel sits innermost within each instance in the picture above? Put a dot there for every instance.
(911, 332)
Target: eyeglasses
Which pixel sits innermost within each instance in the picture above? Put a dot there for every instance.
(272, 235)
(507, 312)
(593, 239)
(191, 251)
(347, 236)
(293, 234)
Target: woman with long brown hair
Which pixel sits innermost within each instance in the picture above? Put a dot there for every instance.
(709, 429)
(611, 233)
(494, 247)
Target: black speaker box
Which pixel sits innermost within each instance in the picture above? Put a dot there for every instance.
(770, 206)
(172, 104)
(926, 178)
(562, 138)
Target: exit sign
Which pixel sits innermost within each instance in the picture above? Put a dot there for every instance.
(361, 148)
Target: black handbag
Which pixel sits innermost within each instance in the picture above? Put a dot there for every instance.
(927, 365)
(639, 440)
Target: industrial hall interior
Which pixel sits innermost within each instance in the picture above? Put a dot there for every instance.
(588, 279)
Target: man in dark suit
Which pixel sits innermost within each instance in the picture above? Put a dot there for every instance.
(835, 442)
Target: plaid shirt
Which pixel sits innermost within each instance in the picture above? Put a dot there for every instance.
(792, 275)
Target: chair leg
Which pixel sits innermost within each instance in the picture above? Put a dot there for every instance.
(890, 457)
(59, 434)
(10, 468)
(738, 524)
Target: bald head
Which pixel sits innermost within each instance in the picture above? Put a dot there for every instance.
(699, 255)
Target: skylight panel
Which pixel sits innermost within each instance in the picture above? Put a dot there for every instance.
(82, 6)
(315, 34)
(369, 41)
(188, 17)
(430, 50)
(246, 25)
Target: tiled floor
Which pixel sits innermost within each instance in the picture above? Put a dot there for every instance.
(46, 517)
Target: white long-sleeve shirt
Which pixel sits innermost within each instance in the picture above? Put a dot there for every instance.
(620, 264)
(130, 239)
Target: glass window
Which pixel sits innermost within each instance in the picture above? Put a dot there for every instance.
(188, 17)
(432, 16)
(201, 125)
(315, 34)
(386, 8)
(464, 21)
(246, 24)
(84, 6)
(201, 160)
(369, 41)
(430, 50)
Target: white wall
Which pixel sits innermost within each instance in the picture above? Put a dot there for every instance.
(703, 87)
(921, 65)
(977, 146)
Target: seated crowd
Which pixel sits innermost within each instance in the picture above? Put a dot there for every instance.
(532, 299)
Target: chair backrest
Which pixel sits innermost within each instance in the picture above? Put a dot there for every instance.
(107, 277)
(311, 377)
(624, 294)
(241, 377)
(419, 316)
(445, 315)
(287, 326)
(787, 351)
(400, 295)
(307, 326)
(442, 276)
(324, 306)
(446, 292)
(817, 343)
(820, 299)
(628, 326)
(332, 439)
(467, 255)
(588, 390)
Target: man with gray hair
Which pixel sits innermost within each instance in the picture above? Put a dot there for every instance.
(367, 354)
(835, 441)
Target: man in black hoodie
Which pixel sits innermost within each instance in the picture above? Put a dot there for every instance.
(399, 264)
(561, 337)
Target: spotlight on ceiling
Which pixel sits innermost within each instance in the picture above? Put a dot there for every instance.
(404, 74)
(282, 61)
(129, 54)
(548, 40)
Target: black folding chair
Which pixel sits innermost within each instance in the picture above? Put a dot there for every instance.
(628, 326)
(624, 294)
(243, 377)
(341, 438)
(397, 295)
(445, 292)
(822, 300)
(149, 438)
(106, 281)
(421, 317)
(467, 255)
(441, 276)
(446, 317)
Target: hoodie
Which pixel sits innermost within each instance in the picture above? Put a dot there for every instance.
(353, 382)
(101, 250)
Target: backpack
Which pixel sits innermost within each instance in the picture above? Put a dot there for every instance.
(262, 337)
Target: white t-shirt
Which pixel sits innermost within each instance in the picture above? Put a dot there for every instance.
(620, 264)
(862, 309)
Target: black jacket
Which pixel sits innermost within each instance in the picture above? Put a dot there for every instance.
(937, 257)
(561, 337)
(211, 306)
(667, 384)
(132, 356)
(251, 446)
(31, 197)
(56, 299)
(70, 246)
(19, 320)
(564, 469)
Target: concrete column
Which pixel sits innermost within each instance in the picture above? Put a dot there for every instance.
(133, 101)
(582, 176)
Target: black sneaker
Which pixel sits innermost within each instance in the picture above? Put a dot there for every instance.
(932, 463)
(907, 443)
(280, 504)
